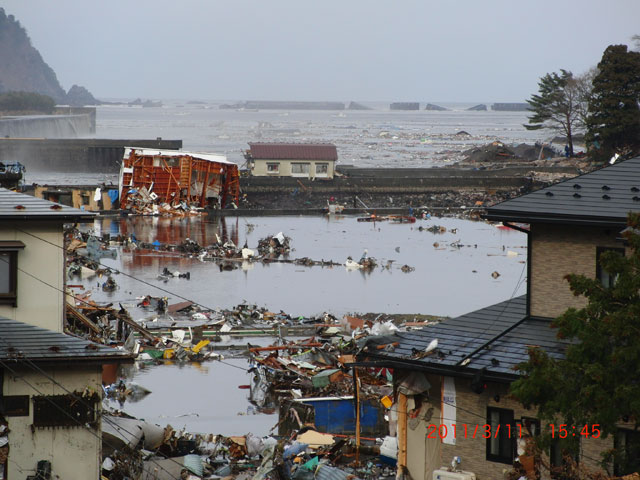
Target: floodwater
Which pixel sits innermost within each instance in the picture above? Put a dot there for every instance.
(199, 397)
(447, 280)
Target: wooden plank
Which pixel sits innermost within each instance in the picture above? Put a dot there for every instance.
(126, 318)
(77, 314)
(402, 431)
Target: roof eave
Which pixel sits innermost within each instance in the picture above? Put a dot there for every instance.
(73, 360)
(89, 217)
(438, 369)
(526, 217)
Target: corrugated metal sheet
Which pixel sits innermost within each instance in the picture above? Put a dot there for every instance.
(325, 472)
(209, 157)
(19, 341)
(603, 197)
(18, 206)
(460, 336)
(293, 151)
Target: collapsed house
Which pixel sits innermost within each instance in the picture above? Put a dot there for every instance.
(176, 178)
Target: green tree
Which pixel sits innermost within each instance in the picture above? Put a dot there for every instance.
(555, 106)
(597, 382)
(613, 123)
(26, 101)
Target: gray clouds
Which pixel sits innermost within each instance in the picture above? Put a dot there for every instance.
(450, 50)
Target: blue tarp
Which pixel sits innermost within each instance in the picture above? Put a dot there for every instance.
(113, 195)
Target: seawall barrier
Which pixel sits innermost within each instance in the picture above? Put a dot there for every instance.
(74, 155)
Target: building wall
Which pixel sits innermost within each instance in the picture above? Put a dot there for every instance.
(76, 197)
(260, 168)
(75, 452)
(40, 274)
(556, 251)
(425, 455)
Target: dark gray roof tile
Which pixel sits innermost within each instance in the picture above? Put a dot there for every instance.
(19, 206)
(20, 342)
(602, 197)
(462, 335)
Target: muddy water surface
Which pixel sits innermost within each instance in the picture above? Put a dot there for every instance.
(447, 280)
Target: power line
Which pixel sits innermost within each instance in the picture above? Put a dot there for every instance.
(121, 272)
(58, 407)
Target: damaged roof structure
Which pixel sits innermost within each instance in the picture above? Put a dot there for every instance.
(469, 361)
(174, 176)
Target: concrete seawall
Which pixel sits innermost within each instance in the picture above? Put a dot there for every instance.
(73, 155)
(401, 180)
(65, 122)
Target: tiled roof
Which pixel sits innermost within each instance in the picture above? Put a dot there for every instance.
(460, 336)
(20, 341)
(293, 151)
(602, 197)
(18, 206)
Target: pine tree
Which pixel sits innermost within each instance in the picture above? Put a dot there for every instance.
(555, 106)
(613, 122)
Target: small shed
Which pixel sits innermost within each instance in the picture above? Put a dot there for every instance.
(304, 160)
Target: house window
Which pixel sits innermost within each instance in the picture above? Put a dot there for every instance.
(627, 446)
(273, 168)
(73, 410)
(9, 272)
(607, 280)
(322, 169)
(300, 169)
(500, 445)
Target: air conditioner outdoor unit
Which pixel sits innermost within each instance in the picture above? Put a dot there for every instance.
(446, 475)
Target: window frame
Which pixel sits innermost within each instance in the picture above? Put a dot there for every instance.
(325, 165)
(506, 416)
(600, 272)
(301, 174)
(273, 164)
(11, 248)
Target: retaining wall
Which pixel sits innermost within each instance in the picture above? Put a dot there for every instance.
(73, 155)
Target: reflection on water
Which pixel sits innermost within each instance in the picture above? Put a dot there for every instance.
(452, 276)
(201, 398)
(452, 270)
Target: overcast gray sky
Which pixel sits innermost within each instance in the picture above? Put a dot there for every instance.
(402, 50)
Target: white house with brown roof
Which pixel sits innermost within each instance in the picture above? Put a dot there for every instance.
(304, 160)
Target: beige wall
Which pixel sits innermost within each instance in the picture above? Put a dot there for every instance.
(556, 251)
(80, 197)
(426, 455)
(74, 453)
(41, 274)
(260, 168)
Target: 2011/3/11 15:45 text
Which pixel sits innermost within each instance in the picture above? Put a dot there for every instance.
(493, 431)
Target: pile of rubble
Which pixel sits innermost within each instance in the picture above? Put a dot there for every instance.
(143, 202)
(301, 380)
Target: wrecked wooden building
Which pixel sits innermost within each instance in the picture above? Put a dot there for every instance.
(176, 177)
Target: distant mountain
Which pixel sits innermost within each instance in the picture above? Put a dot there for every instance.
(24, 70)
